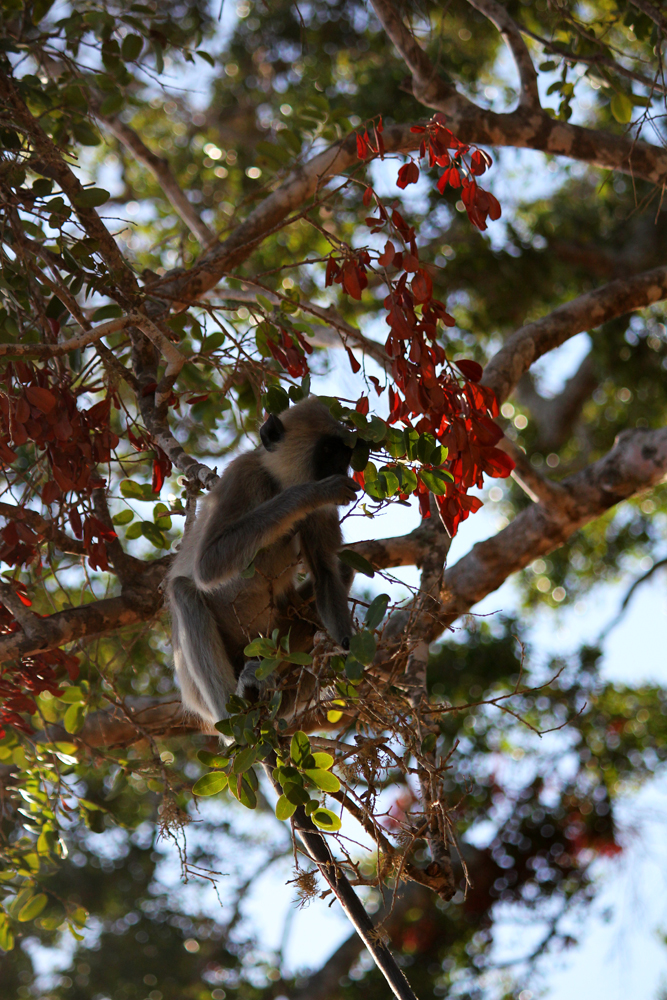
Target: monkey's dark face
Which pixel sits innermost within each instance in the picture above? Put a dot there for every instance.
(331, 456)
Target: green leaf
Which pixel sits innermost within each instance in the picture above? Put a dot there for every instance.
(112, 103)
(429, 742)
(325, 780)
(245, 759)
(323, 760)
(151, 531)
(357, 562)
(212, 759)
(435, 480)
(210, 784)
(377, 611)
(131, 47)
(123, 517)
(134, 531)
(301, 659)
(72, 695)
(326, 820)
(6, 936)
(296, 794)
(363, 646)
(266, 668)
(111, 311)
(359, 459)
(91, 198)
(275, 399)
(284, 808)
(75, 716)
(621, 108)
(33, 907)
(224, 727)
(299, 748)
(354, 670)
(131, 490)
(262, 646)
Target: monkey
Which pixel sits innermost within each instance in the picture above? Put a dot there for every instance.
(274, 508)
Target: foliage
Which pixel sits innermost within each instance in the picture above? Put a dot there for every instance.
(118, 359)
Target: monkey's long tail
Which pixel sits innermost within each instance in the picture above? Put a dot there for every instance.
(204, 672)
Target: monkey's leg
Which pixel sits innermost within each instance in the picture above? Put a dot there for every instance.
(227, 549)
(202, 665)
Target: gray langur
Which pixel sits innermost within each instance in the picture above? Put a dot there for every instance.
(275, 506)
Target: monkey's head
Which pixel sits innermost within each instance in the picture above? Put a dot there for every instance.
(305, 443)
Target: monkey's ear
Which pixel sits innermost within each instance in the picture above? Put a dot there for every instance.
(271, 432)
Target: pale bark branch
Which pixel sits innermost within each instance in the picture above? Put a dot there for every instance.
(509, 29)
(586, 312)
(636, 463)
(58, 350)
(162, 172)
(556, 417)
(527, 128)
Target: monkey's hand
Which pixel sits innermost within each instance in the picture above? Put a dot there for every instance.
(340, 490)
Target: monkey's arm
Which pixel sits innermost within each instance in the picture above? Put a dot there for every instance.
(320, 541)
(227, 546)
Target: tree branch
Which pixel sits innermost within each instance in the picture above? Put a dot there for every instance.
(636, 463)
(555, 418)
(587, 311)
(651, 11)
(161, 171)
(529, 96)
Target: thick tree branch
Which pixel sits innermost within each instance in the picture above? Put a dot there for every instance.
(586, 312)
(636, 463)
(509, 29)
(98, 618)
(528, 128)
(161, 171)
(556, 417)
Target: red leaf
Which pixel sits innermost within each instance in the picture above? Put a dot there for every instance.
(75, 521)
(41, 399)
(23, 599)
(354, 364)
(471, 369)
(359, 478)
(387, 256)
(362, 148)
(498, 464)
(368, 194)
(410, 262)
(495, 210)
(378, 388)
(408, 174)
(478, 163)
(362, 405)
(198, 399)
(351, 281)
(422, 286)
(332, 271)
(50, 492)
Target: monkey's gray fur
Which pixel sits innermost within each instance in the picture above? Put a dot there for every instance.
(276, 505)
